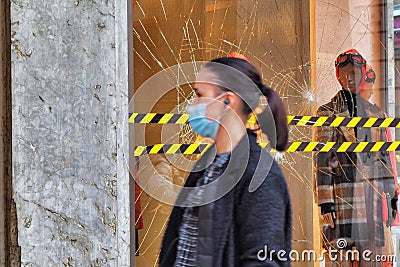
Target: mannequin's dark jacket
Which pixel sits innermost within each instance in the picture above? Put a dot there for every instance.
(352, 184)
(238, 228)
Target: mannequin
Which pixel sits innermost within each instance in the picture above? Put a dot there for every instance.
(349, 186)
(389, 215)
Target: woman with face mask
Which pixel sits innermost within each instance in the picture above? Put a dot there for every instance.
(234, 209)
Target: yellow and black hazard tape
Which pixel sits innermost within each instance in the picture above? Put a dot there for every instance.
(190, 149)
(171, 118)
(170, 149)
(147, 118)
(344, 121)
(341, 147)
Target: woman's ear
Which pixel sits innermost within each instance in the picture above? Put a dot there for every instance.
(231, 99)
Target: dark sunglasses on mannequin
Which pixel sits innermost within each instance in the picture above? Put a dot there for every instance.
(345, 58)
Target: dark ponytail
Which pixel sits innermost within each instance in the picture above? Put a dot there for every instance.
(273, 121)
(274, 115)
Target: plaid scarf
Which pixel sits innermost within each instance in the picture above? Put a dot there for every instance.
(188, 231)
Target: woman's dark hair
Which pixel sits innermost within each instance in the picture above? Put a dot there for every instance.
(275, 115)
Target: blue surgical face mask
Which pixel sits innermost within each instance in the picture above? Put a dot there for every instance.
(199, 122)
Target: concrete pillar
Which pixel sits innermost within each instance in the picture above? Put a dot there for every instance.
(70, 132)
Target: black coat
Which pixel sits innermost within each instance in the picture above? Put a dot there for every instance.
(243, 222)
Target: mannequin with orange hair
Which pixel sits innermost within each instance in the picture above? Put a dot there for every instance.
(368, 88)
(349, 185)
(384, 135)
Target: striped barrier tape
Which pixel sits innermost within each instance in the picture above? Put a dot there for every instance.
(171, 149)
(147, 118)
(190, 149)
(344, 121)
(171, 118)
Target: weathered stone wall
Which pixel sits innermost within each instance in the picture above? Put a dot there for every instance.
(70, 105)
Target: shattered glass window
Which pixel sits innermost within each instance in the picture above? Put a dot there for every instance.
(294, 44)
